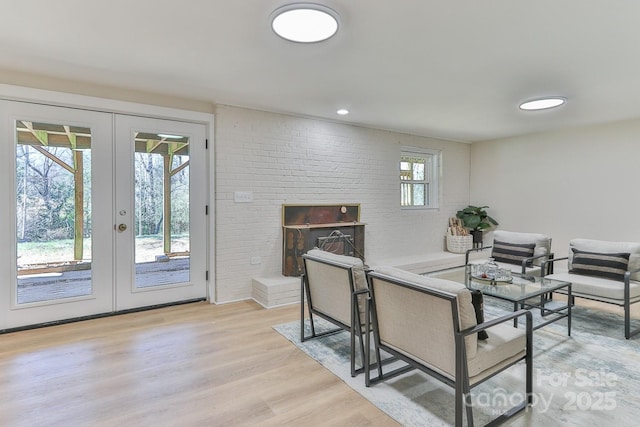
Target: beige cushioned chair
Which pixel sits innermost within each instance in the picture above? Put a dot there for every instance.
(335, 288)
(430, 324)
(522, 253)
(607, 272)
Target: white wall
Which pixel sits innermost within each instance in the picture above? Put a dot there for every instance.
(36, 81)
(568, 184)
(287, 159)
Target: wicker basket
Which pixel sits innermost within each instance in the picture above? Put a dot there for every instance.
(459, 244)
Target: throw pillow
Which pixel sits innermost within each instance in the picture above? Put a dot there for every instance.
(478, 306)
(609, 266)
(511, 253)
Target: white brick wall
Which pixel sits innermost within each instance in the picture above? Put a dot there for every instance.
(286, 159)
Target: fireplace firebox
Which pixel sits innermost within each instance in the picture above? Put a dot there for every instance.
(333, 228)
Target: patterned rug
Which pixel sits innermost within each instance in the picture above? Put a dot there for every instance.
(591, 378)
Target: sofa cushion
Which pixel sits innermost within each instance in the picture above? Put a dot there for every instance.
(512, 253)
(597, 287)
(335, 301)
(542, 241)
(603, 246)
(359, 278)
(466, 312)
(506, 344)
(477, 299)
(608, 265)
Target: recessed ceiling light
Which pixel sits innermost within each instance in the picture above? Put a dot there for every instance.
(342, 112)
(542, 103)
(304, 22)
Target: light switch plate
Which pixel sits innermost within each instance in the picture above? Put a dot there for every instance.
(243, 197)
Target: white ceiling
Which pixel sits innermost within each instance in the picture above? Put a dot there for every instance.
(448, 69)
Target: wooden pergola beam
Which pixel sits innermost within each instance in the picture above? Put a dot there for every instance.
(53, 140)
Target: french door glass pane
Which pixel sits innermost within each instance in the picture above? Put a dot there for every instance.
(53, 211)
(162, 243)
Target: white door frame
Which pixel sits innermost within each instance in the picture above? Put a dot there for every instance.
(61, 99)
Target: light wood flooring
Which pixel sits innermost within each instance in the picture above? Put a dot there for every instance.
(190, 365)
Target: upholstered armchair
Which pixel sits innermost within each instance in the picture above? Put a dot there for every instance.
(334, 288)
(522, 253)
(430, 324)
(602, 271)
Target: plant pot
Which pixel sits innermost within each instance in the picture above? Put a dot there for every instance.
(477, 238)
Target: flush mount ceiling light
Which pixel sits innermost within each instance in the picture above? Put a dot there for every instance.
(342, 112)
(304, 22)
(542, 103)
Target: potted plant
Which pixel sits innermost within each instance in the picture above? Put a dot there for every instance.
(476, 219)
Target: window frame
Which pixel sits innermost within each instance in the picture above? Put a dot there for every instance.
(433, 160)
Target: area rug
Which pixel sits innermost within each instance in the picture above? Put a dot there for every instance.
(591, 378)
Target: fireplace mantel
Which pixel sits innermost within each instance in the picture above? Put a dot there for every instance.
(329, 225)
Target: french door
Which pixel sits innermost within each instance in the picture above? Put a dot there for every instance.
(160, 211)
(101, 213)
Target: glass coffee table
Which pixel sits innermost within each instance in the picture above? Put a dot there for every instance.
(528, 292)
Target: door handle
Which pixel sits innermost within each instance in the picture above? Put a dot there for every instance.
(122, 227)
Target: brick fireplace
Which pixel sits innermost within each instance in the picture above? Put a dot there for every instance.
(334, 228)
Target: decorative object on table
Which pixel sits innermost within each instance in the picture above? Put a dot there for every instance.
(476, 219)
(491, 269)
(459, 240)
(491, 272)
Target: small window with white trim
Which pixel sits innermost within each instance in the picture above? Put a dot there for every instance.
(419, 173)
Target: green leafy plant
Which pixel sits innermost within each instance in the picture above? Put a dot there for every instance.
(475, 218)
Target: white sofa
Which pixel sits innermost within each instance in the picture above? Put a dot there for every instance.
(522, 253)
(603, 271)
(430, 324)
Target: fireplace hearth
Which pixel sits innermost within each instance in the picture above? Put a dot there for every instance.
(333, 228)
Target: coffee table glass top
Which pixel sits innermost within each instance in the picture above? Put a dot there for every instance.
(519, 289)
